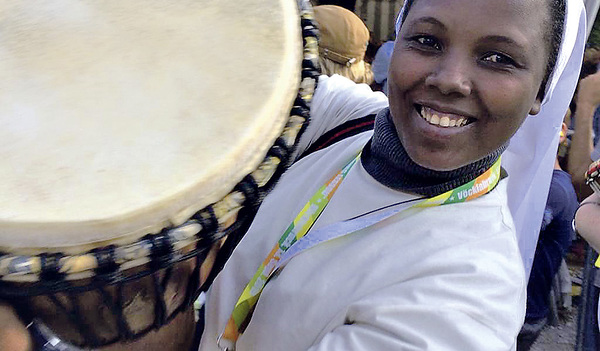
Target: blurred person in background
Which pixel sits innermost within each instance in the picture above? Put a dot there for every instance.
(556, 234)
(587, 218)
(587, 224)
(586, 101)
(343, 43)
(581, 153)
(380, 66)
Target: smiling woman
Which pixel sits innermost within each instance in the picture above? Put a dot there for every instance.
(410, 244)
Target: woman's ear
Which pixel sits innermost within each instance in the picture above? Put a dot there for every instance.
(535, 108)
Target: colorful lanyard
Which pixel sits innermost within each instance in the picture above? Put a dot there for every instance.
(297, 230)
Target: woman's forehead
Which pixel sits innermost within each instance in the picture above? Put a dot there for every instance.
(485, 15)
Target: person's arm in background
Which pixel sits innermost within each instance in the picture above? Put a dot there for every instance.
(587, 220)
(13, 334)
(588, 99)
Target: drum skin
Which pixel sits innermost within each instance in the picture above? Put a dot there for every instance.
(120, 118)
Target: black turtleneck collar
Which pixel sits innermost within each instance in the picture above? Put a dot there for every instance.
(386, 160)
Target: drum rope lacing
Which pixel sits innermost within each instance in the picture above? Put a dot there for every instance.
(50, 274)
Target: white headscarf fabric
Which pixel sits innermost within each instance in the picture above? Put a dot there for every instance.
(529, 159)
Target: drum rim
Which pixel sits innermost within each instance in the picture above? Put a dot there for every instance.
(208, 225)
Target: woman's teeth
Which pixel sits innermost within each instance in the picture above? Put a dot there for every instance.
(442, 119)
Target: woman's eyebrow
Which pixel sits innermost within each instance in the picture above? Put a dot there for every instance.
(429, 20)
(501, 39)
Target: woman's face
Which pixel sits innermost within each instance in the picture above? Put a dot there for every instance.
(464, 75)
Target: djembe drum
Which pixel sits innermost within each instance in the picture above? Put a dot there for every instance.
(135, 135)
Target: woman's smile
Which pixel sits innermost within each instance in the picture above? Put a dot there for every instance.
(443, 119)
(440, 130)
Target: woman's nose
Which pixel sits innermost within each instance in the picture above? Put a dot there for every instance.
(451, 75)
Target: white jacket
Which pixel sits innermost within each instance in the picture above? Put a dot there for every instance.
(442, 278)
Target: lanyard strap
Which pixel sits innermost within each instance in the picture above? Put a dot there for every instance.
(477, 187)
(240, 317)
(297, 230)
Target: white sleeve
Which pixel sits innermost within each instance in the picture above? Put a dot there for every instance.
(338, 100)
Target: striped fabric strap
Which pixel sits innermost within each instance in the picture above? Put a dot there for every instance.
(341, 132)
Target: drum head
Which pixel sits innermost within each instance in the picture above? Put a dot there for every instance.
(120, 118)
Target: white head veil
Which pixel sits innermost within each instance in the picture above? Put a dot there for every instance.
(529, 159)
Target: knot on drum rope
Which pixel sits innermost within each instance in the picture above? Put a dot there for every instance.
(50, 268)
(300, 111)
(249, 188)
(309, 69)
(161, 252)
(302, 104)
(107, 269)
(209, 222)
(308, 30)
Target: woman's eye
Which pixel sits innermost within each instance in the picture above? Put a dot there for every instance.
(429, 42)
(499, 59)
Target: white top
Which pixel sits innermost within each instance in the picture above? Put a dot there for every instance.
(444, 278)
(118, 118)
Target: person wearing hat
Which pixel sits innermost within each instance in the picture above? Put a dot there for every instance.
(342, 44)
